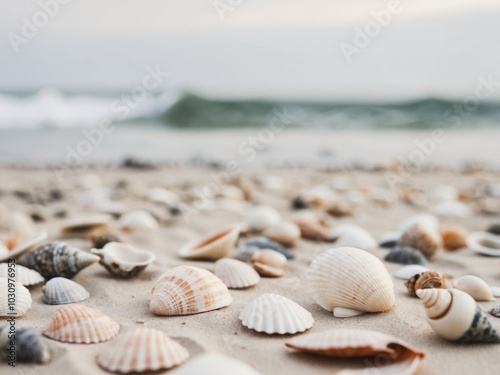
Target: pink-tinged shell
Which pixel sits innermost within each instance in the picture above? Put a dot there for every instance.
(142, 349)
(81, 325)
(214, 245)
(186, 290)
(236, 274)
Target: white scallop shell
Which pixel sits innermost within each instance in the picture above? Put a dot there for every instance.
(410, 270)
(23, 275)
(25, 246)
(272, 313)
(350, 278)
(138, 221)
(484, 243)
(353, 236)
(475, 287)
(85, 225)
(214, 364)
(236, 274)
(261, 217)
(213, 245)
(15, 300)
(59, 291)
(423, 218)
(142, 349)
(286, 233)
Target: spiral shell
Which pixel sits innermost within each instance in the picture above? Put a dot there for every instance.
(30, 346)
(475, 287)
(236, 274)
(214, 245)
(455, 316)
(23, 275)
(350, 278)
(15, 299)
(424, 280)
(59, 291)
(186, 290)
(405, 255)
(212, 363)
(422, 237)
(142, 349)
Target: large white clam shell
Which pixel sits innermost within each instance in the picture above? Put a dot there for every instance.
(138, 221)
(24, 246)
(475, 287)
(59, 291)
(236, 274)
(214, 364)
(22, 274)
(484, 243)
(353, 236)
(272, 313)
(15, 299)
(142, 349)
(213, 245)
(261, 217)
(349, 278)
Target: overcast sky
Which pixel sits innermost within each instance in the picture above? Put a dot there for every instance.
(262, 48)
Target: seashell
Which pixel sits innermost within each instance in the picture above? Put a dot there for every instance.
(495, 291)
(424, 280)
(186, 290)
(408, 271)
(213, 245)
(261, 217)
(494, 229)
(350, 278)
(84, 226)
(286, 233)
(406, 255)
(4, 250)
(353, 236)
(163, 196)
(424, 218)
(59, 291)
(211, 364)
(30, 346)
(22, 301)
(268, 263)
(360, 343)
(89, 181)
(484, 243)
(454, 237)
(81, 325)
(20, 224)
(475, 287)
(452, 209)
(272, 313)
(495, 311)
(138, 221)
(455, 316)
(249, 247)
(23, 275)
(142, 349)
(389, 240)
(236, 274)
(26, 246)
(100, 239)
(314, 232)
(339, 208)
(123, 260)
(422, 237)
(57, 259)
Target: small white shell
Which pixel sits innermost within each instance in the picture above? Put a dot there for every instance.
(236, 274)
(286, 233)
(82, 226)
(212, 363)
(410, 270)
(59, 291)
(261, 217)
(423, 218)
(475, 287)
(139, 221)
(23, 275)
(272, 313)
(213, 245)
(452, 209)
(484, 243)
(25, 246)
(15, 300)
(269, 263)
(353, 236)
(163, 196)
(495, 291)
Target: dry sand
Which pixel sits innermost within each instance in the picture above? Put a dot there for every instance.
(221, 331)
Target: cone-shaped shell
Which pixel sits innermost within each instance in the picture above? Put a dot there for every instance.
(30, 346)
(57, 259)
(422, 237)
(475, 287)
(81, 325)
(59, 291)
(24, 246)
(214, 245)
(142, 349)
(350, 278)
(272, 313)
(214, 364)
(23, 275)
(186, 290)
(484, 243)
(455, 316)
(22, 298)
(236, 274)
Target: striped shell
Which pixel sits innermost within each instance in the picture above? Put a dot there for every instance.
(213, 363)
(186, 290)
(59, 291)
(23, 275)
(30, 345)
(21, 299)
(236, 274)
(142, 349)
(214, 245)
(81, 325)
(272, 313)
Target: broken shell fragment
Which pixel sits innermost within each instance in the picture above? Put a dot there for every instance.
(214, 245)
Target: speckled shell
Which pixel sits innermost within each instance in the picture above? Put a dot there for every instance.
(406, 255)
(272, 313)
(422, 237)
(495, 311)
(484, 243)
(475, 287)
(138, 221)
(81, 325)
(455, 316)
(353, 236)
(57, 259)
(142, 349)
(30, 346)
(212, 363)
(84, 226)
(261, 217)
(236, 274)
(22, 299)
(186, 290)
(351, 278)
(214, 245)
(24, 275)
(59, 291)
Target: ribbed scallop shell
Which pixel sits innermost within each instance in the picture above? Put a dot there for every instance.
(475, 287)
(351, 278)
(214, 245)
(30, 346)
(142, 349)
(236, 274)
(81, 325)
(213, 363)
(24, 275)
(21, 301)
(484, 243)
(186, 290)
(59, 291)
(272, 313)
